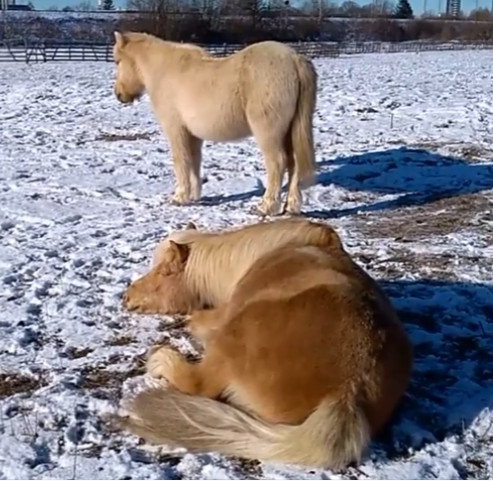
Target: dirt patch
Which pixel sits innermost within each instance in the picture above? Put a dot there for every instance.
(438, 267)
(246, 468)
(177, 322)
(439, 217)
(123, 340)
(76, 353)
(109, 137)
(467, 152)
(15, 383)
(102, 377)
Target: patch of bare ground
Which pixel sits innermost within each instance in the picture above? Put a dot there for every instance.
(176, 329)
(73, 352)
(246, 468)
(122, 340)
(106, 381)
(440, 266)
(15, 383)
(471, 152)
(473, 212)
(115, 137)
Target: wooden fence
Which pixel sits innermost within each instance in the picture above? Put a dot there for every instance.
(23, 50)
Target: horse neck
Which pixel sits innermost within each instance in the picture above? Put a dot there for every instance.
(152, 57)
(209, 273)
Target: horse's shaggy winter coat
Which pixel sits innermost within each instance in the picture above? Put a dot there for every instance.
(266, 90)
(215, 262)
(303, 364)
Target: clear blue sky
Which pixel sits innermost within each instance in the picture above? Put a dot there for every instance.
(417, 5)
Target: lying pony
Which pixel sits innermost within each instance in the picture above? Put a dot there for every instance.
(305, 358)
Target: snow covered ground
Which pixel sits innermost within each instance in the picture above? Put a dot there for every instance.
(405, 175)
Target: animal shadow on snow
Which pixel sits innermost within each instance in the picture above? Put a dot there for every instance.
(418, 176)
(451, 327)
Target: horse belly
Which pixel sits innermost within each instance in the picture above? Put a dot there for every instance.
(214, 118)
(218, 128)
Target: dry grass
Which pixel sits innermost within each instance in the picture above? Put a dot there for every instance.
(15, 383)
(437, 218)
(116, 137)
(122, 340)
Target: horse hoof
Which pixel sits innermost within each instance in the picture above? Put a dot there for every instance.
(271, 210)
(176, 202)
(179, 199)
(287, 212)
(255, 210)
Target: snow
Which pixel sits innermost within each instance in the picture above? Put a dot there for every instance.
(405, 175)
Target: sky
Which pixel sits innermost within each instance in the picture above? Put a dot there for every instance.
(418, 5)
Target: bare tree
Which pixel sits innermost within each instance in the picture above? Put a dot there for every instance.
(254, 9)
(84, 6)
(481, 14)
(148, 5)
(350, 8)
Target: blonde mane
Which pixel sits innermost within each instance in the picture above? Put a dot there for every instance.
(159, 47)
(217, 261)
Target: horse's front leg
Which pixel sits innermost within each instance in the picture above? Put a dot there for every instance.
(195, 180)
(206, 378)
(186, 154)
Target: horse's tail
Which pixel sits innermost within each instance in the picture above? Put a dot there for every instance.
(301, 134)
(335, 434)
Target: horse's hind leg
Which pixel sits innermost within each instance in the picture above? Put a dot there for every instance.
(275, 163)
(294, 197)
(186, 153)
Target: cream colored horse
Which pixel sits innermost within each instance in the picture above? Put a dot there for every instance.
(266, 90)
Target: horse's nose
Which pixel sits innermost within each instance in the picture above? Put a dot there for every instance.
(118, 96)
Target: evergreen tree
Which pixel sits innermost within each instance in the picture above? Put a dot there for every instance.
(108, 5)
(404, 10)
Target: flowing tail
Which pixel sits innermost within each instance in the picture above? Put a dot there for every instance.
(301, 132)
(334, 435)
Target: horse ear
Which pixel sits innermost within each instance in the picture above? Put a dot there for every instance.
(191, 226)
(120, 39)
(182, 250)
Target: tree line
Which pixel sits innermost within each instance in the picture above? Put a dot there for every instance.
(247, 21)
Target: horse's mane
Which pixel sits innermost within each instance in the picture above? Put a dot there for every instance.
(217, 261)
(141, 37)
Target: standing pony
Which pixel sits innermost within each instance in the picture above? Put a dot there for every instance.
(266, 90)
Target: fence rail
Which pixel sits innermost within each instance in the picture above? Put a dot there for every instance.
(26, 51)
(23, 50)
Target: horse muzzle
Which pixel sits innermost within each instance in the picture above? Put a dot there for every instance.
(123, 98)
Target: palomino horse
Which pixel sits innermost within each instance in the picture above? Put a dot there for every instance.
(304, 362)
(266, 90)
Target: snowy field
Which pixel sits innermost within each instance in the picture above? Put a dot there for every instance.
(405, 175)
